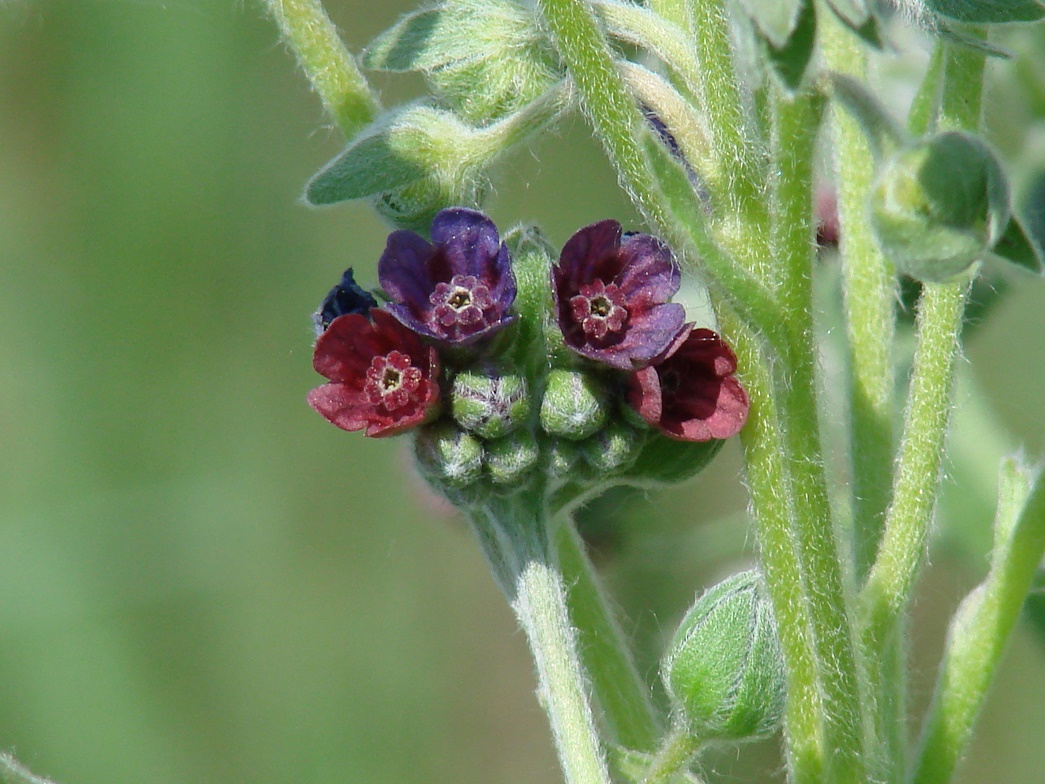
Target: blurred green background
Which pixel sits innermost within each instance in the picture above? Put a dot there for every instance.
(200, 579)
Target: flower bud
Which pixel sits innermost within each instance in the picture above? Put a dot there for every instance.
(574, 404)
(564, 458)
(613, 448)
(939, 206)
(448, 456)
(509, 459)
(488, 404)
(723, 672)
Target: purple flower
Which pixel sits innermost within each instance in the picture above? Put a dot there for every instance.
(346, 297)
(690, 393)
(382, 377)
(457, 289)
(611, 297)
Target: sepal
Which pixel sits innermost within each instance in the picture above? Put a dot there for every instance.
(509, 460)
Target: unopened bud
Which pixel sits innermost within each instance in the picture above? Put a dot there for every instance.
(489, 404)
(564, 458)
(723, 671)
(448, 456)
(574, 405)
(939, 206)
(509, 459)
(613, 448)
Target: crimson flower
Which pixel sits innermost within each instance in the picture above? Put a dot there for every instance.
(611, 296)
(690, 392)
(457, 289)
(382, 377)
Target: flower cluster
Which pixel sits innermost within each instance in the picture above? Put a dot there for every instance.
(443, 349)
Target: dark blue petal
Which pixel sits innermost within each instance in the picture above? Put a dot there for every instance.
(346, 297)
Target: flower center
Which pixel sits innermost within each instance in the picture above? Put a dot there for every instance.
(600, 310)
(460, 306)
(392, 381)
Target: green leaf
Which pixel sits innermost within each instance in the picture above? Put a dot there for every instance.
(791, 60)
(988, 11)
(368, 166)
(664, 460)
(411, 44)
(1019, 247)
(775, 19)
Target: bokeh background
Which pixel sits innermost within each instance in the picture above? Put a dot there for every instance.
(201, 580)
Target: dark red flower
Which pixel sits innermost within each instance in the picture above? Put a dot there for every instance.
(457, 289)
(382, 377)
(690, 393)
(611, 297)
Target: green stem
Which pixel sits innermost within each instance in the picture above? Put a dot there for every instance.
(676, 753)
(722, 105)
(886, 594)
(795, 123)
(326, 62)
(888, 589)
(515, 539)
(869, 285)
(772, 498)
(621, 693)
(980, 630)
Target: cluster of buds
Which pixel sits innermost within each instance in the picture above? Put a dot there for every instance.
(506, 362)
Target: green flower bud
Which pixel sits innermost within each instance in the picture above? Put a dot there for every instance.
(613, 448)
(488, 404)
(564, 458)
(574, 405)
(448, 456)
(509, 459)
(723, 671)
(940, 205)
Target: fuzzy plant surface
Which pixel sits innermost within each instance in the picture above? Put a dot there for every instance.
(533, 374)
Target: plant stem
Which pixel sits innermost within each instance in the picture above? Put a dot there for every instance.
(772, 498)
(981, 628)
(516, 541)
(616, 683)
(869, 285)
(326, 62)
(795, 124)
(678, 749)
(721, 103)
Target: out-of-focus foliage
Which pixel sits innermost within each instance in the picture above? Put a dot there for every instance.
(200, 579)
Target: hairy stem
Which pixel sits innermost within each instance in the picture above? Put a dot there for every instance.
(869, 285)
(678, 750)
(326, 62)
(795, 124)
(515, 539)
(981, 627)
(620, 691)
